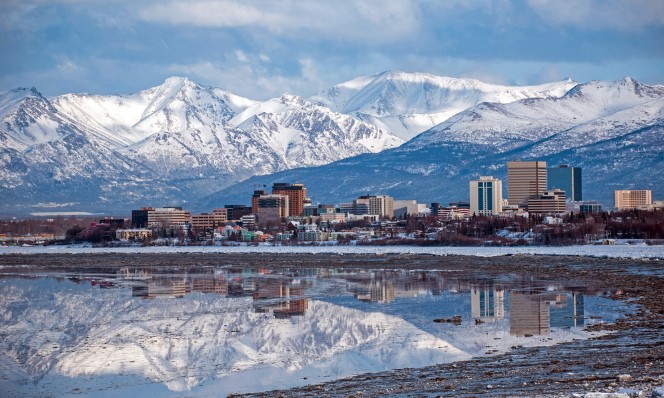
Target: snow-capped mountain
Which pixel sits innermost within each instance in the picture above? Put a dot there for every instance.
(613, 130)
(410, 103)
(305, 134)
(170, 143)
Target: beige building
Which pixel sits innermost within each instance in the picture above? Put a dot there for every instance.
(486, 196)
(525, 180)
(381, 205)
(548, 202)
(168, 216)
(633, 198)
(218, 218)
(133, 234)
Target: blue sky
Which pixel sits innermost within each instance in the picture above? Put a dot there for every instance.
(260, 49)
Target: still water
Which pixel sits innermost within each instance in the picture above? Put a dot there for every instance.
(202, 332)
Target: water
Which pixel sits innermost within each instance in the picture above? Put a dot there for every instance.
(206, 331)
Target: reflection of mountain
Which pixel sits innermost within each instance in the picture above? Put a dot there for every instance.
(91, 333)
(534, 312)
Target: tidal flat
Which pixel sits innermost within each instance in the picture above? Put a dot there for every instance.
(280, 324)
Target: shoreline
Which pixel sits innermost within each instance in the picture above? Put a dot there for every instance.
(616, 251)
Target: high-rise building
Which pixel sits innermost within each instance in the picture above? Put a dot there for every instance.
(272, 208)
(525, 180)
(486, 196)
(381, 205)
(297, 196)
(633, 198)
(254, 199)
(567, 179)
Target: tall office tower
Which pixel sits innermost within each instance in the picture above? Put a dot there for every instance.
(525, 180)
(567, 179)
(633, 198)
(486, 196)
(297, 195)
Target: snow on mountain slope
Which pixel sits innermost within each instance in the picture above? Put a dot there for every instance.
(613, 130)
(302, 133)
(175, 134)
(128, 119)
(409, 103)
(595, 108)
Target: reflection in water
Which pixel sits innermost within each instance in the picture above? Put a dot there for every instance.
(487, 304)
(533, 312)
(218, 331)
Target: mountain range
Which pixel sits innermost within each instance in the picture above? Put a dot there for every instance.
(410, 135)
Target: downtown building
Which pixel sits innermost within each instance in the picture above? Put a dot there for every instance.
(218, 218)
(633, 198)
(297, 197)
(272, 208)
(151, 217)
(525, 180)
(567, 179)
(486, 196)
(548, 202)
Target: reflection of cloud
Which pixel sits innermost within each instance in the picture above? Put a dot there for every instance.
(601, 14)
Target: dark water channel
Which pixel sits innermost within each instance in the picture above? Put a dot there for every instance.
(217, 331)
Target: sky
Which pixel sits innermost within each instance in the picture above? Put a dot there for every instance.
(262, 48)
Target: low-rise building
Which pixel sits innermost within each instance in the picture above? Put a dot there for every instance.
(135, 234)
(217, 218)
(549, 202)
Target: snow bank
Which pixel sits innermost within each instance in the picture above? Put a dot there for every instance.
(618, 251)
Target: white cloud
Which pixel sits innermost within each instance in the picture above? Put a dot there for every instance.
(373, 20)
(252, 80)
(620, 15)
(241, 56)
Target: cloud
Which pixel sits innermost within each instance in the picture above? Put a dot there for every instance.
(374, 20)
(633, 15)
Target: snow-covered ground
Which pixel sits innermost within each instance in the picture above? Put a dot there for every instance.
(617, 251)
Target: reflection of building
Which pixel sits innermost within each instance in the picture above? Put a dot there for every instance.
(283, 299)
(567, 310)
(487, 303)
(529, 314)
(379, 291)
(535, 312)
(209, 285)
(166, 288)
